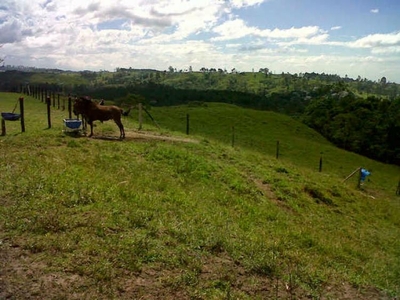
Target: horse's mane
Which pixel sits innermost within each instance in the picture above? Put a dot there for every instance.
(87, 101)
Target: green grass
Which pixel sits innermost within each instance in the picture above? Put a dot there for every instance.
(195, 220)
(261, 130)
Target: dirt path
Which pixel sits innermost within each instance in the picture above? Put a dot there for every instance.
(146, 135)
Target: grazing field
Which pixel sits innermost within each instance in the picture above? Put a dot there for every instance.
(162, 215)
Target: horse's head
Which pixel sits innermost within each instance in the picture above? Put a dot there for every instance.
(77, 107)
(81, 104)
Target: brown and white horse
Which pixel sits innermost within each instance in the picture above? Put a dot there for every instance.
(93, 111)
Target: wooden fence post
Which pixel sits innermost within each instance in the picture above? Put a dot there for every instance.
(352, 173)
(48, 104)
(21, 108)
(3, 127)
(69, 107)
(140, 116)
(359, 178)
(151, 117)
(320, 163)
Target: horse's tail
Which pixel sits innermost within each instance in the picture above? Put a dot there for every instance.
(126, 113)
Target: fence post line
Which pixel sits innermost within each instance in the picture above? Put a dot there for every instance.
(359, 178)
(320, 163)
(21, 109)
(48, 104)
(140, 116)
(69, 107)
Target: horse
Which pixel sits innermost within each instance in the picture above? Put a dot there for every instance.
(93, 111)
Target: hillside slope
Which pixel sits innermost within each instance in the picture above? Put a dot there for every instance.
(176, 219)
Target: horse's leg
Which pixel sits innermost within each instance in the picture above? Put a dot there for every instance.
(121, 128)
(91, 127)
(122, 131)
(84, 123)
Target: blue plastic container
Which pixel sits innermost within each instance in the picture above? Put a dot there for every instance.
(73, 123)
(10, 116)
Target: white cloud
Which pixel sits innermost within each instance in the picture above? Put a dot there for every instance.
(377, 40)
(374, 11)
(236, 29)
(233, 29)
(244, 3)
(387, 50)
(302, 32)
(336, 27)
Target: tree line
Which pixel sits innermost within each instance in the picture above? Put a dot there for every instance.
(368, 126)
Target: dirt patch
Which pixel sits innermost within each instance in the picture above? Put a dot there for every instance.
(267, 191)
(142, 136)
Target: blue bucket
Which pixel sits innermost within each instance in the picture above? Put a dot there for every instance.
(73, 123)
(10, 116)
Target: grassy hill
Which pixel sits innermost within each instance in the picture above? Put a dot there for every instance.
(162, 215)
(246, 82)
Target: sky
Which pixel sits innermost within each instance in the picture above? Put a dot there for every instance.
(344, 37)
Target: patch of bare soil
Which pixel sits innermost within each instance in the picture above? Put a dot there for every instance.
(27, 275)
(144, 136)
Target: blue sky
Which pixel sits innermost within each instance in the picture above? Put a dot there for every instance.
(354, 16)
(344, 37)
